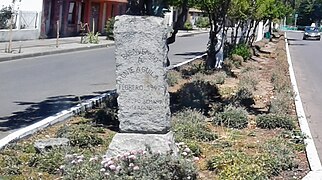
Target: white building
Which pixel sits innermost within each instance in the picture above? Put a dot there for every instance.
(27, 19)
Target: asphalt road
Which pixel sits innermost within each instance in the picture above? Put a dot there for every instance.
(306, 58)
(32, 89)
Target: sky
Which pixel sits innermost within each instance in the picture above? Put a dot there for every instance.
(25, 5)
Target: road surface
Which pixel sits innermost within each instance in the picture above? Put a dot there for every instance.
(307, 61)
(32, 89)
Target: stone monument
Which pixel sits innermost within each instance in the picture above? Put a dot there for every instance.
(143, 99)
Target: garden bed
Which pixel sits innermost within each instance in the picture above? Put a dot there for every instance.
(236, 123)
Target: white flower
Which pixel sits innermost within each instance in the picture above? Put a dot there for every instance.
(74, 161)
(68, 156)
(112, 167)
(102, 170)
(181, 143)
(133, 152)
(79, 160)
(80, 157)
(110, 162)
(135, 168)
(132, 157)
(184, 153)
(187, 150)
(61, 167)
(118, 168)
(195, 158)
(106, 174)
(131, 165)
(126, 154)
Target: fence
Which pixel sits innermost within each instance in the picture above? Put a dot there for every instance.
(26, 25)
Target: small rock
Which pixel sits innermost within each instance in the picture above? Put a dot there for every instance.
(44, 144)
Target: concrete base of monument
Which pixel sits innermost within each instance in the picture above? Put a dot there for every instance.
(126, 142)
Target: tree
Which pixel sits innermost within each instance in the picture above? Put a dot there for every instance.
(5, 15)
(216, 11)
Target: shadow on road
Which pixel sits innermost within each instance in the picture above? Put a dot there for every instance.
(40, 110)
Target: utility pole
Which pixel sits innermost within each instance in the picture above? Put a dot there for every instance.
(57, 37)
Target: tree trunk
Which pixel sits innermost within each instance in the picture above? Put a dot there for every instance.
(249, 30)
(180, 22)
(251, 41)
(236, 33)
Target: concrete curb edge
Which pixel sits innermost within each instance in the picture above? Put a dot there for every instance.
(56, 118)
(37, 54)
(311, 152)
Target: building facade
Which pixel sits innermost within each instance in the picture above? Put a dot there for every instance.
(68, 15)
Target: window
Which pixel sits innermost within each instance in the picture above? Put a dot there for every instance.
(71, 18)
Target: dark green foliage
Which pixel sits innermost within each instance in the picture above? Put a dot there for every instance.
(109, 27)
(232, 117)
(202, 22)
(107, 114)
(5, 15)
(242, 50)
(190, 125)
(196, 95)
(81, 135)
(272, 121)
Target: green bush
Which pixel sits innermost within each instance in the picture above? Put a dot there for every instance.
(91, 37)
(81, 135)
(173, 77)
(109, 28)
(5, 15)
(282, 156)
(132, 165)
(202, 22)
(232, 117)
(242, 50)
(281, 103)
(49, 161)
(187, 25)
(190, 125)
(197, 95)
(272, 121)
(237, 165)
(249, 80)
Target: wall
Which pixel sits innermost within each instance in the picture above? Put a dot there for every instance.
(19, 35)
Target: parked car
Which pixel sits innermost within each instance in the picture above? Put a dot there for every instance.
(311, 33)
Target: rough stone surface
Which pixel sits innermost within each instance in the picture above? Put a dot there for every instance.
(141, 85)
(43, 144)
(126, 142)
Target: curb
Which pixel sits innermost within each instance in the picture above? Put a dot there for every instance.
(58, 117)
(3, 59)
(311, 152)
(66, 114)
(191, 34)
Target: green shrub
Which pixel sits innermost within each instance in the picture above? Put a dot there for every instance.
(197, 95)
(173, 77)
(82, 135)
(232, 117)
(202, 22)
(132, 165)
(242, 50)
(49, 161)
(189, 125)
(5, 15)
(109, 27)
(217, 77)
(237, 165)
(281, 103)
(272, 121)
(281, 155)
(91, 37)
(187, 25)
(189, 70)
(249, 80)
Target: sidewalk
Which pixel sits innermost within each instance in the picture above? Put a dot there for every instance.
(41, 47)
